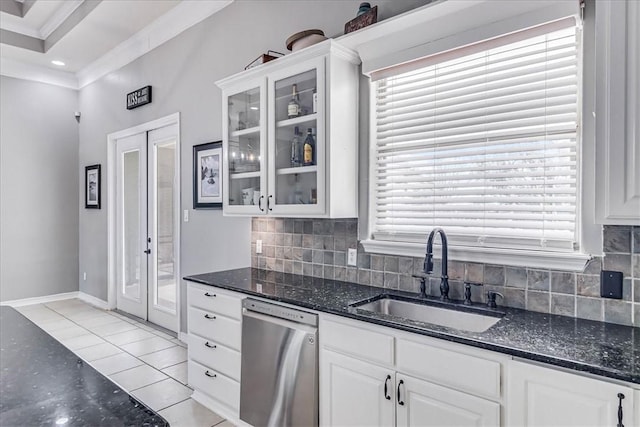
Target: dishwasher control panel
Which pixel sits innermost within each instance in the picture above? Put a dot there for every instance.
(280, 311)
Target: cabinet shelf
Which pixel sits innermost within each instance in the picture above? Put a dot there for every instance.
(245, 132)
(297, 120)
(242, 175)
(296, 170)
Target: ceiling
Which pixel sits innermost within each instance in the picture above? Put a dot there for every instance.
(91, 37)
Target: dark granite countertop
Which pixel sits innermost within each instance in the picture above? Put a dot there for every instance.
(44, 383)
(599, 348)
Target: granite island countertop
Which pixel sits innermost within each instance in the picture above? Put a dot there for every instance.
(599, 348)
(44, 383)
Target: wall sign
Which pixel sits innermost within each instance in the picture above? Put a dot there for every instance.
(139, 97)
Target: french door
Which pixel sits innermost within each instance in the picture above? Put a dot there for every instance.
(147, 197)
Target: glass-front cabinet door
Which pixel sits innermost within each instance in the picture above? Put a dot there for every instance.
(297, 140)
(245, 150)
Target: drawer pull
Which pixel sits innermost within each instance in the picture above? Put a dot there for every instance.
(207, 294)
(210, 375)
(208, 316)
(209, 345)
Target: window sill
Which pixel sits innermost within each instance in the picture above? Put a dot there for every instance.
(511, 257)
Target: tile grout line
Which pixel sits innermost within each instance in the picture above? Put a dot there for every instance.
(123, 351)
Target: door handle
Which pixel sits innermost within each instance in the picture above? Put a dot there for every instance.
(269, 202)
(620, 414)
(400, 402)
(208, 316)
(209, 374)
(207, 294)
(206, 344)
(386, 383)
(260, 203)
(148, 251)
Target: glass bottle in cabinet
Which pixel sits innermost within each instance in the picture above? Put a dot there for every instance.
(244, 149)
(295, 177)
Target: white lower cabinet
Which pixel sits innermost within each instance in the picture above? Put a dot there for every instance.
(214, 317)
(356, 392)
(540, 396)
(421, 403)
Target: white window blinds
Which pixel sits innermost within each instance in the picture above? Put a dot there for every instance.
(482, 142)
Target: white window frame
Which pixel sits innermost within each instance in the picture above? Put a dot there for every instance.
(406, 45)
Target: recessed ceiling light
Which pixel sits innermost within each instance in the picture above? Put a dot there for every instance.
(58, 63)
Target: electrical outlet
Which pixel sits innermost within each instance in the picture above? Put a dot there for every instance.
(259, 288)
(258, 246)
(185, 215)
(84, 276)
(352, 257)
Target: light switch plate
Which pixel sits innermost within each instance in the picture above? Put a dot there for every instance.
(185, 215)
(352, 257)
(258, 246)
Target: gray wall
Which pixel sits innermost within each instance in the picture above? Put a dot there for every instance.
(182, 73)
(38, 189)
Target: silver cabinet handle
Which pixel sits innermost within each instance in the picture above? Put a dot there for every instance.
(210, 375)
(209, 345)
(208, 316)
(207, 294)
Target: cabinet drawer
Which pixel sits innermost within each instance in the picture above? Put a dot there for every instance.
(214, 384)
(212, 299)
(364, 343)
(214, 355)
(217, 328)
(460, 371)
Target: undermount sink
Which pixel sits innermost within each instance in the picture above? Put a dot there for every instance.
(463, 318)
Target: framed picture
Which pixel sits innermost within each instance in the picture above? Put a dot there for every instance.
(92, 187)
(207, 176)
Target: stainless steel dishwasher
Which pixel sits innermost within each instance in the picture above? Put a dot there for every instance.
(279, 374)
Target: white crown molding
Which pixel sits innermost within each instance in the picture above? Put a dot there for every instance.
(20, 70)
(21, 28)
(169, 25)
(67, 8)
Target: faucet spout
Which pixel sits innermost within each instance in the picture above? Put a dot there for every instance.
(428, 262)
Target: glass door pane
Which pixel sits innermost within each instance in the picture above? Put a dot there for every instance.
(244, 151)
(296, 145)
(131, 253)
(164, 281)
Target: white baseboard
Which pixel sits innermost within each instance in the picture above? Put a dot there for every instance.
(97, 302)
(41, 300)
(184, 337)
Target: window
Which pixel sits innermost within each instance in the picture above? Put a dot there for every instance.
(483, 141)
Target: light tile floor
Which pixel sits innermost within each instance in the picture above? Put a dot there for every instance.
(147, 363)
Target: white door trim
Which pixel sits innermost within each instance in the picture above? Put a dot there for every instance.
(111, 205)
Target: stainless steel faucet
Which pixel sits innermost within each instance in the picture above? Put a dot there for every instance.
(428, 261)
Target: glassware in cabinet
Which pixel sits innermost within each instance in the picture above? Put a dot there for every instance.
(244, 150)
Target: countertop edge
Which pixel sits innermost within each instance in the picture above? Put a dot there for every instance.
(523, 354)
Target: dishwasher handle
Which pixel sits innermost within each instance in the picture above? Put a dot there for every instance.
(279, 312)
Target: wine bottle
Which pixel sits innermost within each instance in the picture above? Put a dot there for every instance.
(296, 158)
(293, 110)
(309, 149)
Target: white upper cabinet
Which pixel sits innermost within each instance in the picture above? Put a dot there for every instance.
(290, 136)
(618, 112)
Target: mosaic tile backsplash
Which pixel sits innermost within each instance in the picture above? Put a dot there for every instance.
(318, 247)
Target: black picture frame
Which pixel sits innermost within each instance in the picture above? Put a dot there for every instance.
(207, 175)
(92, 187)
